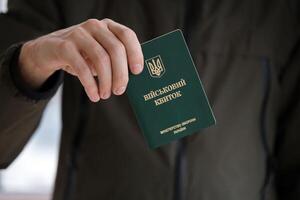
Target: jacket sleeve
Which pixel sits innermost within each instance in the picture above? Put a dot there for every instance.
(288, 155)
(21, 108)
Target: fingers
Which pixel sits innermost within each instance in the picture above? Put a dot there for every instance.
(89, 63)
(131, 43)
(72, 56)
(98, 60)
(69, 70)
(117, 53)
(104, 49)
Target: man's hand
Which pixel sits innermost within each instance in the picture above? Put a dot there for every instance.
(93, 48)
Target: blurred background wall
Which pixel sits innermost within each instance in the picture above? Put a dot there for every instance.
(31, 175)
(3, 5)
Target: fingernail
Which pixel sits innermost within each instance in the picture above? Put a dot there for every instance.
(96, 98)
(120, 90)
(105, 95)
(137, 68)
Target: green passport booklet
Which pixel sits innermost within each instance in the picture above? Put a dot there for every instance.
(167, 97)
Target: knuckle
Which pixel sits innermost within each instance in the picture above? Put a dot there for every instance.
(77, 33)
(104, 58)
(66, 45)
(83, 72)
(101, 25)
(117, 49)
(92, 22)
(127, 33)
(94, 25)
(79, 30)
(97, 60)
(95, 49)
(98, 56)
(107, 20)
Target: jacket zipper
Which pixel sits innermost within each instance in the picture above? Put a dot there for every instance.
(266, 69)
(181, 161)
(75, 147)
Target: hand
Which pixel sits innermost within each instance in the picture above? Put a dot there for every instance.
(93, 48)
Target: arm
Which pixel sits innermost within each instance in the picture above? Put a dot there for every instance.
(94, 48)
(20, 112)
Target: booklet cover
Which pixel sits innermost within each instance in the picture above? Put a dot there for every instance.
(167, 97)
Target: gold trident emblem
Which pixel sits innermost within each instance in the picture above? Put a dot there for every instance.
(155, 66)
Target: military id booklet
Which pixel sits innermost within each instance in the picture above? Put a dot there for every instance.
(167, 97)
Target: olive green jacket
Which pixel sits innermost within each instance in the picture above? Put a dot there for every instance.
(247, 53)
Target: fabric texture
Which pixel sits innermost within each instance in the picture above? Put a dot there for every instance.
(247, 55)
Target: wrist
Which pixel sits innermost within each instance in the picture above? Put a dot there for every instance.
(33, 75)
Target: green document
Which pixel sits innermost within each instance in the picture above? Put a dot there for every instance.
(167, 97)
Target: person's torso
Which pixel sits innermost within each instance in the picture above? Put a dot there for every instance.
(237, 47)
